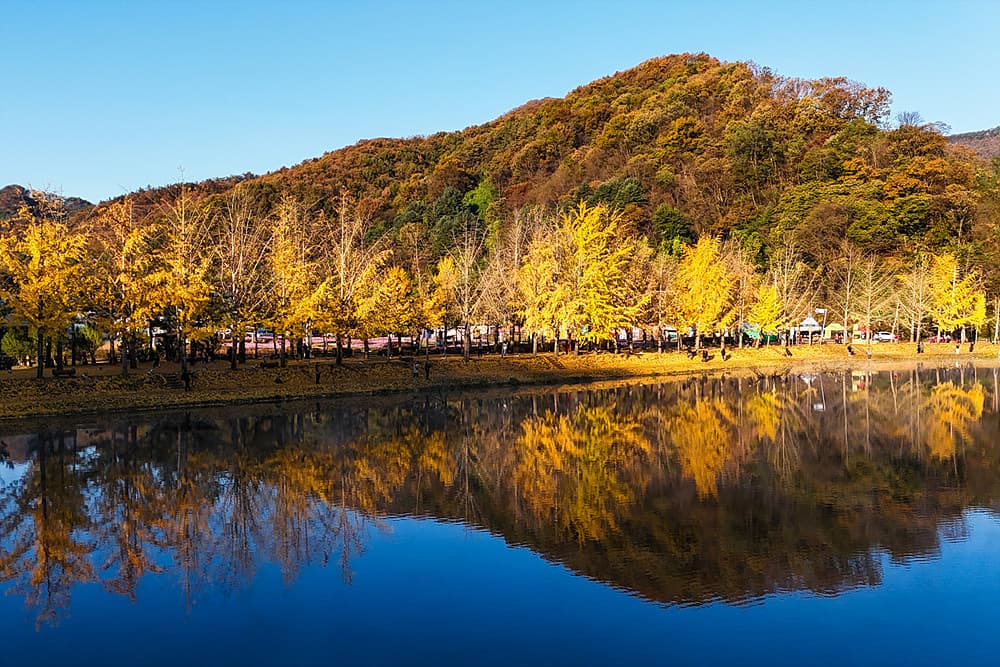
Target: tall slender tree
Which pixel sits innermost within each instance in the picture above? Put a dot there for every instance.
(119, 279)
(44, 262)
(915, 294)
(705, 287)
(957, 300)
(180, 282)
(353, 263)
(239, 272)
(295, 292)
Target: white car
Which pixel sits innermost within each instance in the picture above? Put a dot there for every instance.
(885, 337)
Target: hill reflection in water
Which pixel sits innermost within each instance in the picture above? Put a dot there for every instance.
(682, 493)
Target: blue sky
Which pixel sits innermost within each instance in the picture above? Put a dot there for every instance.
(106, 97)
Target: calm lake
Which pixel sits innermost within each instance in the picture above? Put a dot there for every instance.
(803, 519)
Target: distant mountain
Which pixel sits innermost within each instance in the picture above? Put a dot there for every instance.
(13, 197)
(985, 142)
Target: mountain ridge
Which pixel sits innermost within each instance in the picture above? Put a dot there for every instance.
(13, 197)
(986, 143)
(683, 145)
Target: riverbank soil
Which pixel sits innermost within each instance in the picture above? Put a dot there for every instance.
(101, 388)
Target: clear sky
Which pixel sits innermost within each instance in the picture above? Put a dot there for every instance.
(102, 98)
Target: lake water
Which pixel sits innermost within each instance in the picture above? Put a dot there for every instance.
(816, 519)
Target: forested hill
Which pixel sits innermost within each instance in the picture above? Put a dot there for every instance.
(984, 142)
(14, 197)
(686, 145)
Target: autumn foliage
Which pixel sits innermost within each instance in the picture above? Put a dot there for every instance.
(686, 192)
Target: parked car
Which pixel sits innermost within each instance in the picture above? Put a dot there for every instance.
(885, 337)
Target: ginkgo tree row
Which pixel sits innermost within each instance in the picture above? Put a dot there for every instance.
(580, 275)
(586, 276)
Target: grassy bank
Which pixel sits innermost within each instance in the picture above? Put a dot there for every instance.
(97, 389)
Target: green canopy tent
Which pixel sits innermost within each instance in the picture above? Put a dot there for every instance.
(833, 329)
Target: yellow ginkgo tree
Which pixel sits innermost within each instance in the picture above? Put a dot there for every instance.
(353, 264)
(767, 310)
(180, 283)
(119, 284)
(43, 259)
(388, 306)
(956, 299)
(704, 287)
(295, 299)
(580, 276)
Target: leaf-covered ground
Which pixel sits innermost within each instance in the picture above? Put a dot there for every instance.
(100, 388)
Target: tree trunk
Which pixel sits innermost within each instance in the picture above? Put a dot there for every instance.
(124, 357)
(41, 355)
(466, 343)
(182, 346)
(364, 342)
(996, 325)
(283, 353)
(233, 351)
(340, 351)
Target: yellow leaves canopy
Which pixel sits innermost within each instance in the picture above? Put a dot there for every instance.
(45, 264)
(704, 286)
(956, 299)
(580, 275)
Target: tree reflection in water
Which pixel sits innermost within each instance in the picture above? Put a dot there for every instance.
(682, 492)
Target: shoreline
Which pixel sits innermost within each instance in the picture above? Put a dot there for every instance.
(100, 390)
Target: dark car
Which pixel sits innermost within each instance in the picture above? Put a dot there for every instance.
(7, 362)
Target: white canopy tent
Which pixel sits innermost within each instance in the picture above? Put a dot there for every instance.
(809, 325)
(808, 328)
